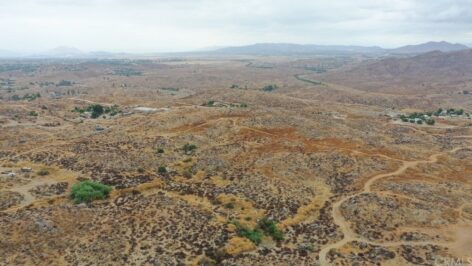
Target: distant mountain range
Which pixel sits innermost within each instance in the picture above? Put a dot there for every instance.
(291, 49)
(256, 49)
(429, 47)
(288, 48)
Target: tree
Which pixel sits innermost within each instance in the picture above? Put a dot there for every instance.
(88, 191)
(430, 122)
(97, 110)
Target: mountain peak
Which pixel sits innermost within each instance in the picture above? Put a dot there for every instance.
(65, 51)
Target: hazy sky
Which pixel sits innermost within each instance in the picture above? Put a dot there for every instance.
(177, 25)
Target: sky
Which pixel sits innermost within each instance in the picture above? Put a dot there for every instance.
(142, 26)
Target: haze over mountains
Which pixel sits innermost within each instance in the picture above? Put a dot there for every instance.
(255, 49)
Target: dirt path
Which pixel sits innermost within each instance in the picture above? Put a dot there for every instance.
(344, 225)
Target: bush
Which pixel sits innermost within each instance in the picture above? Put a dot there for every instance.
(210, 103)
(162, 170)
(254, 235)
(96, 109)
(43, 172)
(189, 147)
(87, 191)
(160, 150)
(33, 113)
(430, 122)
(270, 228)
(64, 83)
(269, 88)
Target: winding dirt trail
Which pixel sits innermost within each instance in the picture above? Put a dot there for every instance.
(344, 225)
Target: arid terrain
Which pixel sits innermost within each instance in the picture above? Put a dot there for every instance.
(199, 151)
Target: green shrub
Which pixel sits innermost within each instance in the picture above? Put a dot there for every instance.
(33, 113)
(162, 170)
(160, 150)
(430, 122)
(189, 147)
(254, 235)
(87, 191)
(270, 228)
(96, 109)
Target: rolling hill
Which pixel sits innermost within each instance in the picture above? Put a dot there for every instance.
(430, 71)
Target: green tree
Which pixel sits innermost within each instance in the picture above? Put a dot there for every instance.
(87, 191)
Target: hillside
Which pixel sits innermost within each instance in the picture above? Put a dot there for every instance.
(431, 71)
(429, 47)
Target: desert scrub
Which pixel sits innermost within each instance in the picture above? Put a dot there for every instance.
(270, 228)
(189, 147)
(87, 191)
(255, 235)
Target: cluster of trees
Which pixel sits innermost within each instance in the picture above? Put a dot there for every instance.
(64, 83)
(449, 112)
(269, 88)
(418, 118)
(127, 72)
(97, 110)
(211, 103)
(28, 96)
